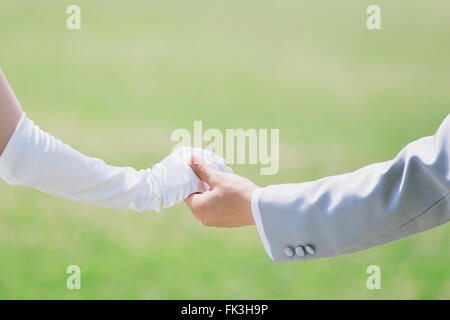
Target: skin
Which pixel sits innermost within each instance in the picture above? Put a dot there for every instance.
(10, 112)
(227, 204)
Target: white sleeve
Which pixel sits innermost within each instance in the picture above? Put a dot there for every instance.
(36, 159)
(341, 214)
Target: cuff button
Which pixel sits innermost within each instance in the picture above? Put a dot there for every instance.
(300, 251)
(288, 252)
(310, 249)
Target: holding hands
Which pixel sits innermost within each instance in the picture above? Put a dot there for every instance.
(227, 203)
(175, 178)
(328, 217)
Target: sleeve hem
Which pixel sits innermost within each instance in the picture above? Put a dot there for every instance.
(258, 221)
(7, 154)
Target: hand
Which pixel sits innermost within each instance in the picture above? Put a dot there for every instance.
(176, 179)
(228, 202)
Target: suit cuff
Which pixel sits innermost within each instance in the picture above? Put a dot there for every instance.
(258, 222)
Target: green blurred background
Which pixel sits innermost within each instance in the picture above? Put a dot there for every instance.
(341, 95)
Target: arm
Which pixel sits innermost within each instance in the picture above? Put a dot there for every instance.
(10, 112)
(379, 203)
(346, 213)
(34, 158)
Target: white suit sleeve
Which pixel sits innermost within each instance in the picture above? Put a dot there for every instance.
(354, 211)
(36, 159)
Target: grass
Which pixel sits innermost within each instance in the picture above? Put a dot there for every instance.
(342, 97)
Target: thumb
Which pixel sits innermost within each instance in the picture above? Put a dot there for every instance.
(203, 171)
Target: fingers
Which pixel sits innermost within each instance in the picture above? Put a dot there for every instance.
(203, 171)
(194, 200)
(213, 160)
(196, 203)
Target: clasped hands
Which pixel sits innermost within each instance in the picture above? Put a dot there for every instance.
(215, 195)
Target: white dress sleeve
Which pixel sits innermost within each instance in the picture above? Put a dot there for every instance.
(36, 159)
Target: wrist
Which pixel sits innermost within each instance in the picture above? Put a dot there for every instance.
(248, 200)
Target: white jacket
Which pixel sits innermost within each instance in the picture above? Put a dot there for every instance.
(354, 211)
